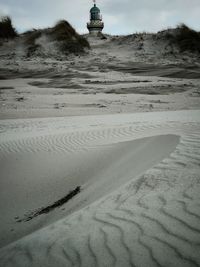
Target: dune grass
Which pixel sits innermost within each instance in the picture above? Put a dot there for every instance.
(186, 39)
(7, 31)
(31, 36)
(30, 41)
(69, 40)
(63, 34)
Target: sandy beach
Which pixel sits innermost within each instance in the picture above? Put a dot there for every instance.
(138, 174)
(100, 158)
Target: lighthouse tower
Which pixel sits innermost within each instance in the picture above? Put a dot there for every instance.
(96, 24)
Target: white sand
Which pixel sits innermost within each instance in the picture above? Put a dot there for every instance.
(139, 204)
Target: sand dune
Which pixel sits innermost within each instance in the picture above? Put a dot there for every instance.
(139, 201)
(114, 76)
(117, 188)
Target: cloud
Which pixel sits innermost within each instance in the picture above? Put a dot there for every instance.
(4, 10)
(120, 17)
(140, 15)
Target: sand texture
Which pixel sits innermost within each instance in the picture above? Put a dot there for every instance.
(100, 155)
(113, 77)
(139, 200)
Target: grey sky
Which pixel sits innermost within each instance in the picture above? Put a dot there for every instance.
(120, 16)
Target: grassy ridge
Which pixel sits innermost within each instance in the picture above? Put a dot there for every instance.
(70, 40)
(186, 39)
(63, 34)
(7, 31)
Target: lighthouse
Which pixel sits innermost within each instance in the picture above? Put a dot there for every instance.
(96, 24)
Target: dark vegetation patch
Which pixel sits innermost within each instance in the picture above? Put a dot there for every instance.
(183, 37)
(70, 40)
(49, 208)
(7, 31)
(30, 41)
(102, 36)
(63, 34)
(186, 39)
(31, 36)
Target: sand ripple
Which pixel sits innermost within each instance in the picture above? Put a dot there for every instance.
(151, 220)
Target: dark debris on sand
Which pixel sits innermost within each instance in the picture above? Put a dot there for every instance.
(45, 210)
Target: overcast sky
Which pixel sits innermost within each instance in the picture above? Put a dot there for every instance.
(120, 16)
